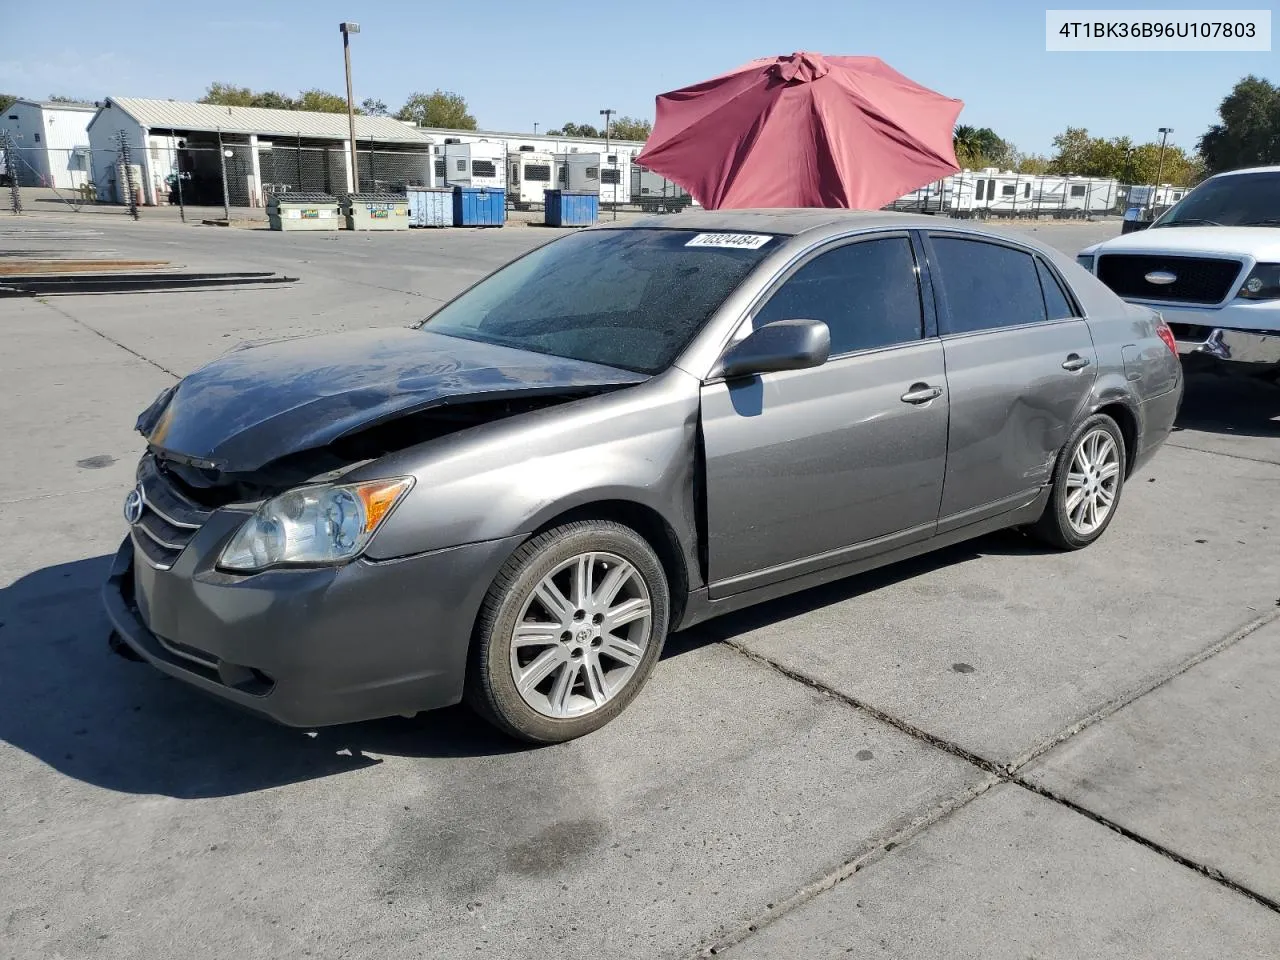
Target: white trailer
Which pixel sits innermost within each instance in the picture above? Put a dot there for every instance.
(1005, 193)
(1166, 195)
(478, 164)
(653, 191)
(578, 171)
(529, 173)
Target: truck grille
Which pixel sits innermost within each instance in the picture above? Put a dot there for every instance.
(1199, 279)
(169, 520)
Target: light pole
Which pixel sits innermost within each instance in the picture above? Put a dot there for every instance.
(1164, 136)
(535, 128)
(608, 116)
(348, 28)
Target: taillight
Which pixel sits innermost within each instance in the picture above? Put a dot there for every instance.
(1165, 334)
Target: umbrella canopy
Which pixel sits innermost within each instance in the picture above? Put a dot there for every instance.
(803, 131)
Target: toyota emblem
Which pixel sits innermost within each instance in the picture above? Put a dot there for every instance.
(133, 504)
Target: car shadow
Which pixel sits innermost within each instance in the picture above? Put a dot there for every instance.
(1233, 405)
(66, 700)
(1002, 543)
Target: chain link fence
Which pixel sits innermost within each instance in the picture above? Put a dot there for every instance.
(218, 175)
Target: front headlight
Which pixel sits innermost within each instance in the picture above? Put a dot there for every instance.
(1085, 260)
(1263, 283)
(313, 525)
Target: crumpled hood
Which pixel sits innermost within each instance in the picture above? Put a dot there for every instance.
(259, 403)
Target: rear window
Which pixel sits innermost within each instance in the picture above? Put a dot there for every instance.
(631, 299)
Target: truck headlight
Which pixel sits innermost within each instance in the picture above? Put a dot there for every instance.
(321, 524)
(1263, 283)
(1085, 260)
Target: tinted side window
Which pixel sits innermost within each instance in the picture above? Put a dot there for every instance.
(988, 286)
(1054, 297)
(867, 293)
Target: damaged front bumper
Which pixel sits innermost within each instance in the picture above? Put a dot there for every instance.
(307, 647)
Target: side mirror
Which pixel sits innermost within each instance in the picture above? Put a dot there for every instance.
(781, 345)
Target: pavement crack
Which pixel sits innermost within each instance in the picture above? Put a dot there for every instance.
(1000, 773)
(1203, 869)
(1221, 453)
(870, 851)
(1118, 703)
(111, 340)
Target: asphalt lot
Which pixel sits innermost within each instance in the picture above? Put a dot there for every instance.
(991, 752)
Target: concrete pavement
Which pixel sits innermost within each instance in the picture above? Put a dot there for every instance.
(996, 751)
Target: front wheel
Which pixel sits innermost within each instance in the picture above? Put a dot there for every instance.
(1087, 483)
(569, 632)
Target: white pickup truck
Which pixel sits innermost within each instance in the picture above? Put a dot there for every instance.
(1211, 266)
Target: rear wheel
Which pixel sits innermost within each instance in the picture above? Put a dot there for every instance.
(1087, 483)
(569, 632)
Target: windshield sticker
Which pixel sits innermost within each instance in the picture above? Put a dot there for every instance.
(740, 241)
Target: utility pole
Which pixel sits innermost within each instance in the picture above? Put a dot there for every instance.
(223, 154)
(1164, 136)
(535, 128)
(348, 27)
(608, 116)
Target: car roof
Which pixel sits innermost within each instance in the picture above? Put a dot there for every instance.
(781, 221)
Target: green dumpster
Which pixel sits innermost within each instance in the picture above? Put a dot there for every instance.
(376, 211)
(303, 211)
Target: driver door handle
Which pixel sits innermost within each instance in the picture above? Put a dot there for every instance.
(1075, 362)
(921, 393)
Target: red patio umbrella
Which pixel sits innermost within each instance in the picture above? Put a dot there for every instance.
(803, 131)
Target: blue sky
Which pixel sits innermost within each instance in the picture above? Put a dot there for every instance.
(573, 57)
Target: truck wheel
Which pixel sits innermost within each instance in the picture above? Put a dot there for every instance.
(1088, 479)
(569, 632)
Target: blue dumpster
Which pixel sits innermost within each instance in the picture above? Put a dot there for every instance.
(430, 207)
(571, 208)
(479, 206)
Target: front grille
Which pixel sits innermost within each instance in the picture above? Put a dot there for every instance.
(169, 520)
(1199, 279)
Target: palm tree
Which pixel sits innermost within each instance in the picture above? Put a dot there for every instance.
(967, 143)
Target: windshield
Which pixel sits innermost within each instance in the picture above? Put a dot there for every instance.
(631, 299)
(1240, 200)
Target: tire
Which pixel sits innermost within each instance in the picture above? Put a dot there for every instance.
(1060, 525)
(586, 674)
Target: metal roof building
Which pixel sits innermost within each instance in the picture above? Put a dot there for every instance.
(50, 140)
(174, 144)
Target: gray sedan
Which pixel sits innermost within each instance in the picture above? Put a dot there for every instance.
(623, 433)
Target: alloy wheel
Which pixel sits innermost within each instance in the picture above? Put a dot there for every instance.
(581, 635)
(1092, 482)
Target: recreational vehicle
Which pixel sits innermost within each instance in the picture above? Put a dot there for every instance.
(652, 191)
(474, 164)
(529, 173)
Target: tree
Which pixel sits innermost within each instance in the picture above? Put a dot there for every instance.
(273, 100)
(1031, 163)
(1249, 132)
(59, 98)
(576, 130)
(978, 147)
(1121, 159)
(7, 100)
(322, 101)
(228, 95)
(437, 109)
(374, 108)
(631, 128)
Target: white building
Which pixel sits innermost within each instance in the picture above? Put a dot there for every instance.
(51, 142)
(181, 145)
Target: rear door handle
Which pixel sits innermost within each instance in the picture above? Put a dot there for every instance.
(1075, 362)
(921, 393)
